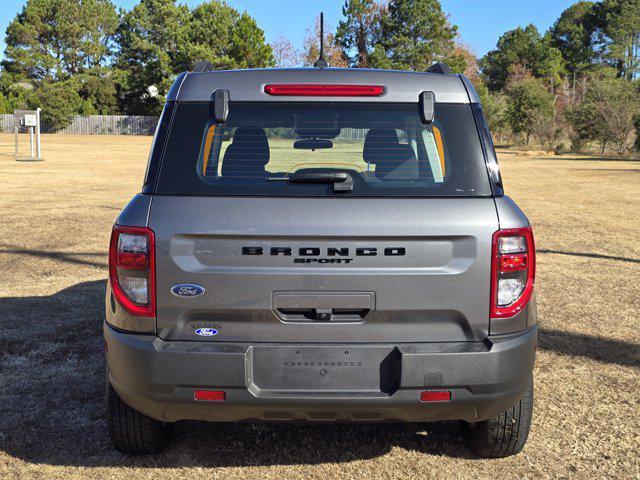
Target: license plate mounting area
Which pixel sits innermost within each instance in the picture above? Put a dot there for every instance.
(323, 370)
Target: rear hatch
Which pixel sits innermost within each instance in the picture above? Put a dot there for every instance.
(401, 257)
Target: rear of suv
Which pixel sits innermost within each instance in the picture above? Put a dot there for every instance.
(324, 245)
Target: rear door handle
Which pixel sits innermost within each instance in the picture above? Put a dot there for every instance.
(323, 306)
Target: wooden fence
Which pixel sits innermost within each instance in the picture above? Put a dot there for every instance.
(97, 125)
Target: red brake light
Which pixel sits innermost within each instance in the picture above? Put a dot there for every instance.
(132, 269)
(324, 90)
(510, 263)
(513, 263)
(133, 261)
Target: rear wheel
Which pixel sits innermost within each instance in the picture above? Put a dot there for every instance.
(133, 432)
(503, 435)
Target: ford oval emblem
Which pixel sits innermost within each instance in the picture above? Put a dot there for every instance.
(206, 332)
(187, 290)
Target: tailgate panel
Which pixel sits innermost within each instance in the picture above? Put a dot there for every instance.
(428, 279)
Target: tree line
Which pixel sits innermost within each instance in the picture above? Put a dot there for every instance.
(573, 86)
(84, 57)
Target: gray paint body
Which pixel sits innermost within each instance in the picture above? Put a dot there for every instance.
(413, 321)
(437, 291)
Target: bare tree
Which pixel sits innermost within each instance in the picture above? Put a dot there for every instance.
(607, 114)
(333, 52)
(285, 54)
(617, 116)
(546, 129)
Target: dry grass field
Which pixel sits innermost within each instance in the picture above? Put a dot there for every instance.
(56, 218)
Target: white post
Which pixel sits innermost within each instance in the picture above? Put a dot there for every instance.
(38, 133)
(31, 129)
(16, 129)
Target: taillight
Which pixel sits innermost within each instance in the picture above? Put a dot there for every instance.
(513, 269)
(324, 90)
(132, 269)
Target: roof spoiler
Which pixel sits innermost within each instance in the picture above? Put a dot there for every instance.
(441, 68)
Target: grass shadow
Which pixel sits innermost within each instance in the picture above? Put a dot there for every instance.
(587, 158)
(570, 156)
(610, 170)
(67, 257)
(601, 349)
(599, 256)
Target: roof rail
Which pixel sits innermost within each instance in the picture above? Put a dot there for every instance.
(441, 68)
(202, 66)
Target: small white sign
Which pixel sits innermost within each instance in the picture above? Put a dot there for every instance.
(30, 120)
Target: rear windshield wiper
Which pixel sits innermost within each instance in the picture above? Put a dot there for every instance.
(342, 181)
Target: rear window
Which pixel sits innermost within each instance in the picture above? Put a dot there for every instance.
(384, 148)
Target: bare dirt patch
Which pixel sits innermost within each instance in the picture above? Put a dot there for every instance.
(56, 218)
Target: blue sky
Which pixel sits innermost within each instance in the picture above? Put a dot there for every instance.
(480, 22)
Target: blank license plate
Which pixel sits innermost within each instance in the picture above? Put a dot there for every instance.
(324, 369)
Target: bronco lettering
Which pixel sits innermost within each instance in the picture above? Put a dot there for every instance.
(330, 251)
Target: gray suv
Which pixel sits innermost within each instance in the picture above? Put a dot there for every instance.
(323, 245)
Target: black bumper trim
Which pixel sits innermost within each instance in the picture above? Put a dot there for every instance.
(158, 377)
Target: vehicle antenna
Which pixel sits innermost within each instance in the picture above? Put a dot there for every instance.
(321, 62)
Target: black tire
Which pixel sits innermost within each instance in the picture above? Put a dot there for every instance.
(133, 432)
(503, 435)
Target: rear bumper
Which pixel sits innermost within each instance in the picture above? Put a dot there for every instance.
(158, 378)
